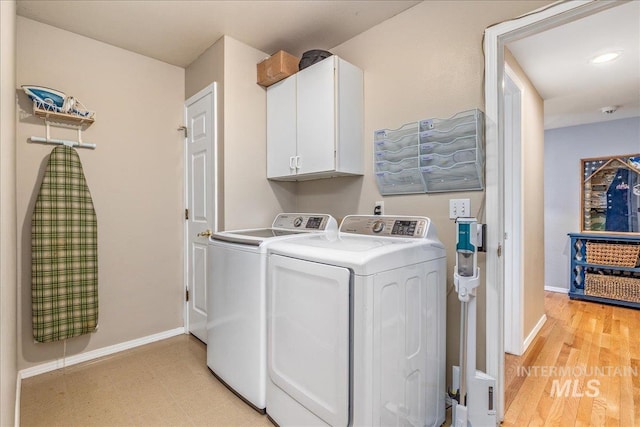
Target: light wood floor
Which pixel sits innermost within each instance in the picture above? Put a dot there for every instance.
(583, 368)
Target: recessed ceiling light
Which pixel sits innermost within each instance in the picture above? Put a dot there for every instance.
(605, 57)
(610, 109)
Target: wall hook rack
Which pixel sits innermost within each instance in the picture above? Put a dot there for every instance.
(57, 109)
(68, 143)
(61, 120)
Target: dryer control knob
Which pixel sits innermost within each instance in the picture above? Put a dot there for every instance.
(378, 226)
(298, 221)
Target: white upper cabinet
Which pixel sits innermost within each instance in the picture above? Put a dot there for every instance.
(315, 121)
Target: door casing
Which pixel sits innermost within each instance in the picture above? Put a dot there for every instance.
(496, 37)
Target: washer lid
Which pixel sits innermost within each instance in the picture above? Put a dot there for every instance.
(254, 237)
(284, 225)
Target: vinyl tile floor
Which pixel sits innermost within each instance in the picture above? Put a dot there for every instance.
(166, 383)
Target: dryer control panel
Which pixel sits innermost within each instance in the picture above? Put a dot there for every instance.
(386, 226)
(298, 221)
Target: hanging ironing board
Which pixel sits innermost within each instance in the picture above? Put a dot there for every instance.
(64, 249)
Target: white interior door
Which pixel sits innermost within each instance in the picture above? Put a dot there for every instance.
(201, 212)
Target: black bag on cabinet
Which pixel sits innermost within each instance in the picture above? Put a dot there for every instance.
(310, 57)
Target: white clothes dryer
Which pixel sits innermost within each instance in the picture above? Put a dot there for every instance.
(236, 301)
(356, 326)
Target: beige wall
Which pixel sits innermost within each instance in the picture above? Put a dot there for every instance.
(532, 199)
(135, 176)
(248, 199)
(425, 62)
(209, 68)
(8, 283)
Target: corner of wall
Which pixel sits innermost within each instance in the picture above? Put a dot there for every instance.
(206, 69)
(532, 156)
(9, 381)
(245, 129)
(139, 155)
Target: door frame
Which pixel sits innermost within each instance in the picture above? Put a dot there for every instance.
(495, 39)
(513, 292)
(212, 88)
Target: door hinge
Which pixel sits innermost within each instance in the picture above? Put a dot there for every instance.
(186, 294)
(499, 250)
(184, 129)
(186, 214)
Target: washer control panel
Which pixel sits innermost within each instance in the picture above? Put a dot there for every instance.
(296, 221)
(388, 226)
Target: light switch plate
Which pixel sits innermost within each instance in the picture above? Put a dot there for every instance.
(459, 208)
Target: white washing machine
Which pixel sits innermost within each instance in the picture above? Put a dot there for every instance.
(236, 300)
(356, 326)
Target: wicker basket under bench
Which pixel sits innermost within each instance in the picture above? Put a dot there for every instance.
(605, 268)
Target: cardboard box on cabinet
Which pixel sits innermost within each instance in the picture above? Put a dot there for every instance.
(277, 67)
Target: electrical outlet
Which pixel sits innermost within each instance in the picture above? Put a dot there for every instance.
(459, 208)
(378, 208)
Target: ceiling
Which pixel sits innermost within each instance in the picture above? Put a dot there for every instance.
(574, 90)
(178, 31)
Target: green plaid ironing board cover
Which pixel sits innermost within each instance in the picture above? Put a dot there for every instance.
(64, 250)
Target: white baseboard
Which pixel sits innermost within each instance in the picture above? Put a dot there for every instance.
(533, 333)
(556, 289)
(94, 354)
(16, 415)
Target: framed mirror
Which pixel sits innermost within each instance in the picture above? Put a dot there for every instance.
(611, 194)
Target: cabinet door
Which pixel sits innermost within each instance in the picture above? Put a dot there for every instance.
(281, 128)
(316, 117)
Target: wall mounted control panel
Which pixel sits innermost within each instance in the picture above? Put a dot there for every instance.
(386, 226)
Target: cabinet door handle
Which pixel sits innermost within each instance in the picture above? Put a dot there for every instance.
(297, 162)
(291, 162)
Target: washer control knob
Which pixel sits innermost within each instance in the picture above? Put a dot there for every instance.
(298, 221)
(378, 226)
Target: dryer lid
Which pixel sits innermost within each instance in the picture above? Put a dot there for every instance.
(364, 255)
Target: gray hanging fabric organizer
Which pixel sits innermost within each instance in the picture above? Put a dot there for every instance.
(431, 155)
